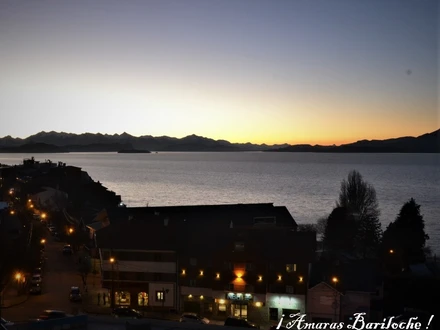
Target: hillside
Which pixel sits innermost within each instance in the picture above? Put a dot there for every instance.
(426, 143)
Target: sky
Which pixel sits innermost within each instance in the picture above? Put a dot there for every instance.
(285, 71)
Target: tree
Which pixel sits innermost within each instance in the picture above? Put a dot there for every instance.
(358, 197)
(406, 236)
(340, 231)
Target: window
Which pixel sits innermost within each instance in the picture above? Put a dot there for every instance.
(239, 246)
(289, 289)
(157, 257)
(157, 276)
(290, 268)
(193, 261)
(192, 283)
(160, 296)
(249, 266)
(273, 314)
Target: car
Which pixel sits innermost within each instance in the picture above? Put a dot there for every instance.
(67, 249)
(6, 323)
(239, 323)
(36, 279)
(193, 318)
(50, 314)
(125, 312)
(75, 294)
(35, 289)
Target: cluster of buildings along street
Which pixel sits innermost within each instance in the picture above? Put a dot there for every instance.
(242, 260)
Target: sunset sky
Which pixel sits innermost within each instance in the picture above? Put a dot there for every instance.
(285, 71)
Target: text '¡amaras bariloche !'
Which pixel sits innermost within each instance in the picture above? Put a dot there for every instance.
(298, 322)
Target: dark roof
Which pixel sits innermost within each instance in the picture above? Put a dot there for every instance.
(224, 214)
(267, 243)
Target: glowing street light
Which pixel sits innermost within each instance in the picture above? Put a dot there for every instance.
(112, 260)
(31, 206)
(391, 251)
(70, 230)
(29, 200)
(12, 212)
(43, 216)
(18, 276)
(43, 241)
(335, 280)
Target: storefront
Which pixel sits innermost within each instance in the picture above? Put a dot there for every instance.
(239, 304)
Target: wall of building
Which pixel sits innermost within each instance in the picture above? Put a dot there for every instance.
(170, 296)
(355, 302)
(323, 302)
(141, 266)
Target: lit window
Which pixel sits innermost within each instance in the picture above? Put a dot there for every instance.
(160, 296)
(290, 268)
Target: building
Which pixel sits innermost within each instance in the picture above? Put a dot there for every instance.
(220, 260)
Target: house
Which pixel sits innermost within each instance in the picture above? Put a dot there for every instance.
(355, 285)
(243, 260)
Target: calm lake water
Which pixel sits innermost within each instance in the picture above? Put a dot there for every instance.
(307, 183)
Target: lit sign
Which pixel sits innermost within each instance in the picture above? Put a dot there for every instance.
(239, 296)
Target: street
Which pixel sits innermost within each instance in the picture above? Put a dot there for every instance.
(60, 273)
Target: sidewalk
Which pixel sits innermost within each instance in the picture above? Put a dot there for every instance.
(11, 297)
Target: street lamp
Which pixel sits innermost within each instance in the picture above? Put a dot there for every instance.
(112, 301)
(43, 216)
(18, 276)
(70, 230)
(43, 241)
(12, 212)
(335, 280)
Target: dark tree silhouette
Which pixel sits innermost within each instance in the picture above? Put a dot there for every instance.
(359, 198)
(406, 236)
(340, 231)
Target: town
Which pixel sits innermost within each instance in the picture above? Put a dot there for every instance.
(69, 246)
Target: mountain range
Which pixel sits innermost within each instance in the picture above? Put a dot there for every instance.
(46, 142)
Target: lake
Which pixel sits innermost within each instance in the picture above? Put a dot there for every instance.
(307, 184)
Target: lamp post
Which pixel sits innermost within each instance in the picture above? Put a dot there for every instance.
(18, 279)
(335, 281)
(163, 298)
(112, 297)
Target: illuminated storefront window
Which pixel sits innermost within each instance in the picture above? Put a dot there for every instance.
(143, 299)
(122, 298)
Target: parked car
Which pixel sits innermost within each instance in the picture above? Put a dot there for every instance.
(75, 294)
(6, 323)
(240, 323)
(125, 312)
(67, 249)
(193, 318)
(36, 279)
(35, 289)
(50, 314)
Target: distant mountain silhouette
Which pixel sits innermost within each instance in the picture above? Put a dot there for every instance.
(105, 142)
(426, 143)
(89, 142)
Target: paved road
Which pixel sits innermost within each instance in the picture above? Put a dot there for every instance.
(59, 275)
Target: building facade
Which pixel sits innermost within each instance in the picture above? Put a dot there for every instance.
(252, 266)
